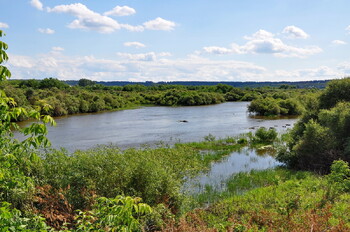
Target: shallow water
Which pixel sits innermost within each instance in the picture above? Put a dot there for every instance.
(219, 172)
(150, 125)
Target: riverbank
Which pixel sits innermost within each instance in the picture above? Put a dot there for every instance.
(271, 200)
(251, 201)
(85, 190)
(53, 97)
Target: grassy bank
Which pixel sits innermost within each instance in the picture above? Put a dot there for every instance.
(272, 200)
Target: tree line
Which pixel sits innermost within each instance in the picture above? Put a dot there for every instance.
(88, 97)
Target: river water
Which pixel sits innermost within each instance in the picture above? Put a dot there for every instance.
(151, 125)
(244, 160)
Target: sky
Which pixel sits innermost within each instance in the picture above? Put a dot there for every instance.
(177, 40)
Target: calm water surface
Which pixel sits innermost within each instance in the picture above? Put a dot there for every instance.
(219, 172)
(150, 125)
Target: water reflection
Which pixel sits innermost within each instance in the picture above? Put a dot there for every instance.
(240, 161)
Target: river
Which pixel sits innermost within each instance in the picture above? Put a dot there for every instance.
(151, 125)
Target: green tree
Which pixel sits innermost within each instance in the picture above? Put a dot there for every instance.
(52, 82)
(336, 91)
(18, 159)
(86, 82)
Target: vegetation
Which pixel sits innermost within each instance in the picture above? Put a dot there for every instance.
(276, 200)
(101, 189)
(87, 96)
(322, 135)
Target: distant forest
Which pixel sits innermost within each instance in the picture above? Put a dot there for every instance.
(319, 84)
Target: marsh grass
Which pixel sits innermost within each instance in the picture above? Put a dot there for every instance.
(271, 200)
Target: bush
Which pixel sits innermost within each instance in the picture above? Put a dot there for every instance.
(264, 136)
(336, 91)
(13, 220)
(119, 214)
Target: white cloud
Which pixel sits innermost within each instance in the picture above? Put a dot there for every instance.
(217, 50)
(150, 56)
(159, 24)
(57, 49)
(134, 44)
(87, 19)
(46, 31)
(93, 21)
(18, 61)
(90, 20)
(344, 68)
(338, 42)
(264, 42)
(348, 29)
(132, 28)
(121, 11)
(37, 4)
(131, 67)
(161, 66)
(4, 25)
(295, 32)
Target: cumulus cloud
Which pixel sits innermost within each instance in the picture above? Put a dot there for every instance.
(150, 56)
(87, 19)
(159, 66)
(159, 24)
(217, 50)
(338, 42)
(37, 4)
(132, 28)
(4, 25)
(264, 42)
(18, 61)
(134, 44)
(46, 31)
(295, 32)
(141, 67)
(344, 68)
(90, 20)
(121, 11)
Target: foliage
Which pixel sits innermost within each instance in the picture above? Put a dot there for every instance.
(18, 159)
(155, 174)
(86, 82)
(118, 214)
(335, 92)
(322, 134)
(270, 106)
(339, 178)
(52, 83)
(264, 136)
(12, 220)
(87, 96)
(272, 200)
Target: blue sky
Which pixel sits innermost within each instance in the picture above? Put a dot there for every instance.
(158, 40)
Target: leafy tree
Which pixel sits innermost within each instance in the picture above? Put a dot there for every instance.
(52, 82)
(18, 159)
(321, 135)
(86, 82)
(336, 91)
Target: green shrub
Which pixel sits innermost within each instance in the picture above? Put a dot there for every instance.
(117, 214)
(264, 136)
(13, 220)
